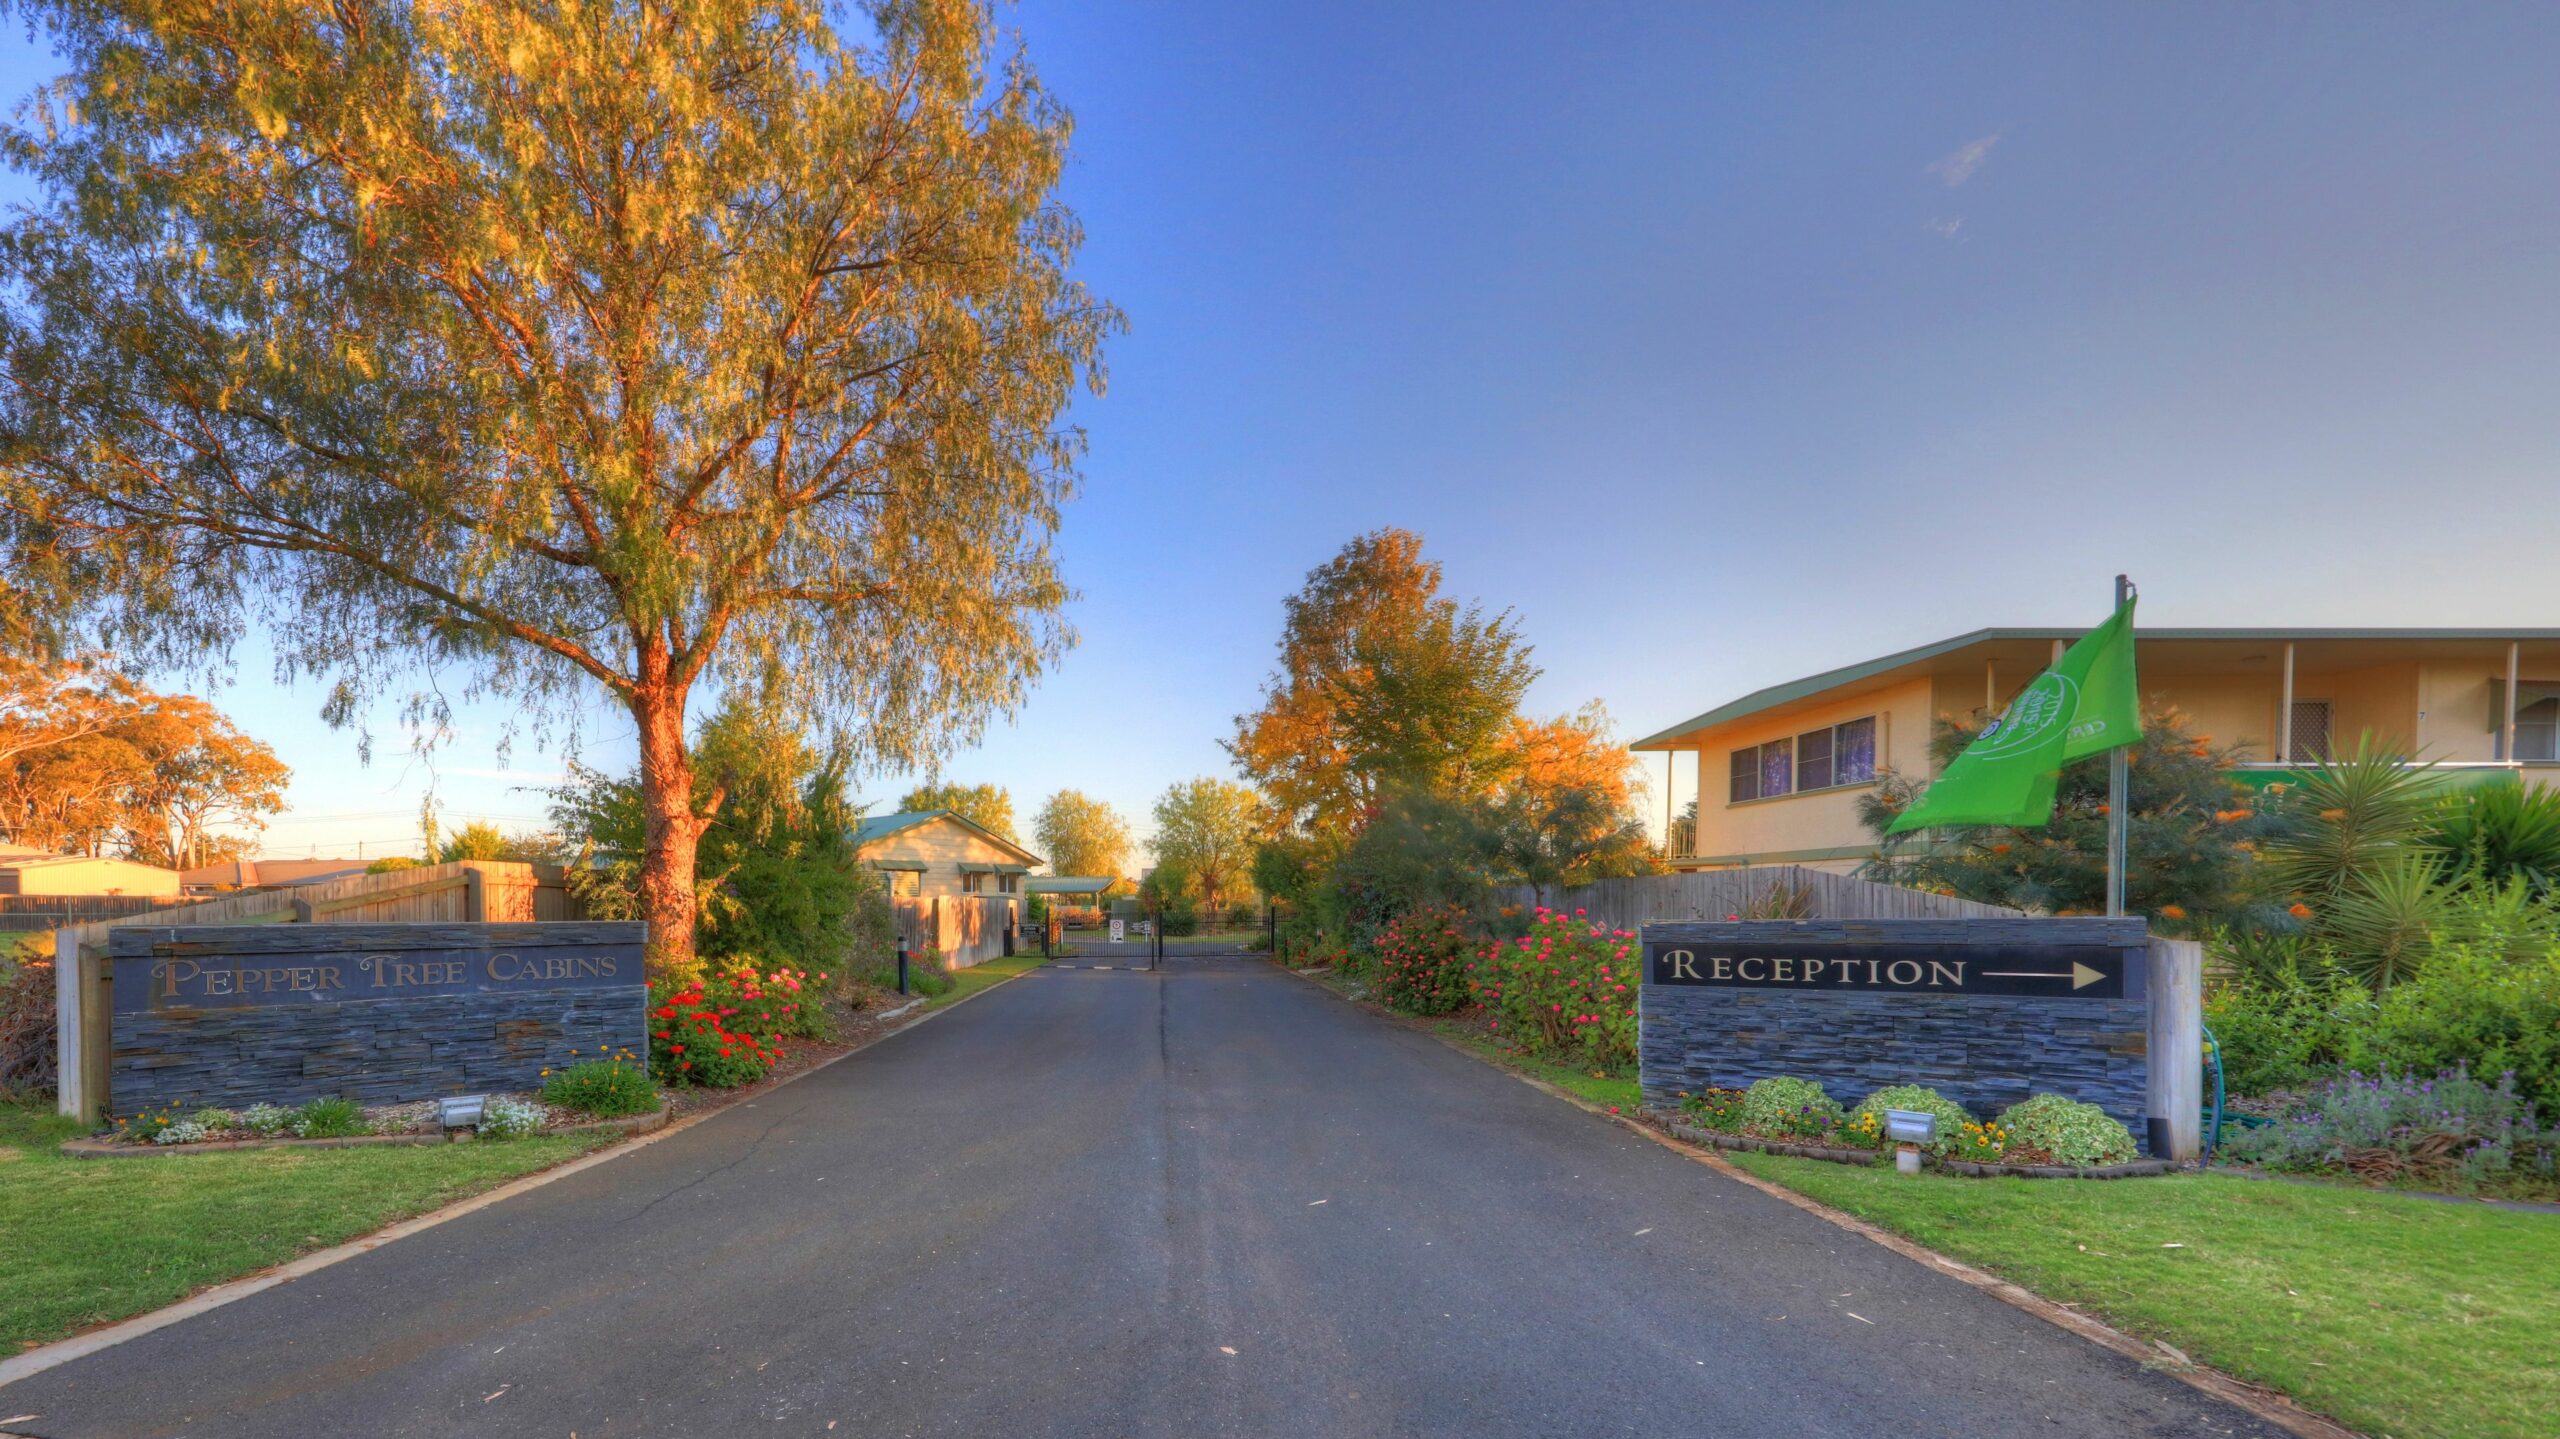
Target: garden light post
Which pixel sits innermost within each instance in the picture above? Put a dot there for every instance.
(902, 964)
(1909, 1129)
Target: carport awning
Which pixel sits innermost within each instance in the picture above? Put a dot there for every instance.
(973, 866)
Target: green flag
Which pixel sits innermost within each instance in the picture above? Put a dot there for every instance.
(2086, 703)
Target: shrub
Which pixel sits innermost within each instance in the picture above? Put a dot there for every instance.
(266, 1120)
(184, 1131)
(2470, 1008)
(1566, 989)
(330, 1119)
(691, 1041)
(1798, 1107)
(601, 1087)
(213, 1118)
(2452, 1128)
(1716, 1109)
(2070, 1132)
(925, 974)
(26, 1025)
(1951, 1116)
(1422, 961)
(512, 1119)
(778, 1002)
(2285, 1030)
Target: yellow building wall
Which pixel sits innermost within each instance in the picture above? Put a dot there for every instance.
(2453, 704)
(2381, 700)
(2228, 709)
(943, 846)
(1824, 819)
(88, 877)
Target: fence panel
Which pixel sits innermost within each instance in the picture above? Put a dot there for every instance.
(1714, 894)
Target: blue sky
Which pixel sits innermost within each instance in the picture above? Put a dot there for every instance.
(1726, 344)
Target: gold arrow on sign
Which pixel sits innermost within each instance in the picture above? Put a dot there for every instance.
(2081, 975)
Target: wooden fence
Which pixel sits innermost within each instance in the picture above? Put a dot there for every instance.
(36, 913)
(968, 928)
(1714, 894)
(467, 891)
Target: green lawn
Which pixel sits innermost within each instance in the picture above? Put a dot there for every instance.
(2398, 1316)
(95, 1240)
(966, 982)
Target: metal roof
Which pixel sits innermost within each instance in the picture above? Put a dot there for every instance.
(880, 827)
(1811, 685)
(1069, 883)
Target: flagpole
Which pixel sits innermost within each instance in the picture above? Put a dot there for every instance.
(2116, 765)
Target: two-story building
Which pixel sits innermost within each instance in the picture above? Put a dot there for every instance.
(932, 852)
(1780, 770)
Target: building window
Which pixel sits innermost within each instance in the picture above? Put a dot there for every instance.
(972, 883)
(2537, 730)
(1827, 758)
(1009, 883)
(906, 882)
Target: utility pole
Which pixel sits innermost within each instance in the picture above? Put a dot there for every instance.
(2116, 767)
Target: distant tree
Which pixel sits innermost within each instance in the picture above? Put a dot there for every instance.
(392, 864)
(1211, 828)
(482, 840)
(1382, 685)
(988, 806)
(2191, 838)
(1564, 811)
(602, 347)
(1081, 835)
(91, 762)
(203, 772)
(1683, 838)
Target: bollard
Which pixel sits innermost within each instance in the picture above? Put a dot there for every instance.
(902, 966)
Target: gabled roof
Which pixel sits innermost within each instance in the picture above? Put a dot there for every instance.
(1810, 685)
(879, 827)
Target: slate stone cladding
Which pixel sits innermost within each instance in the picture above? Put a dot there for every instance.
(1985, 1052)
(383, 1051)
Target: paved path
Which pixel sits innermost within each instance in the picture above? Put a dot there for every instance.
(1210, 1200)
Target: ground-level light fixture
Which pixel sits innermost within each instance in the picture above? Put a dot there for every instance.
(461, 1111)
(1909, 1129)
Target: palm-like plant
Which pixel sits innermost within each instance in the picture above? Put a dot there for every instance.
(2385, 918)
(2498, 833)
(2346, 818)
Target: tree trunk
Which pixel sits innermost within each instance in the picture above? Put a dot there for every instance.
(666, 861)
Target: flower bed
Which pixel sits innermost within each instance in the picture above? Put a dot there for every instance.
(218, 1141)
(2044, 1137)
(2452, 1132)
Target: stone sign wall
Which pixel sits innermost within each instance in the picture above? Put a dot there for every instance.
(234, 1015)
(1985, 1011)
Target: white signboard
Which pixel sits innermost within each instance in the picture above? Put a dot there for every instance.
(1119, 930)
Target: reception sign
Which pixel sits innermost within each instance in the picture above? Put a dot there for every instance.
(1985, 1011)
(2025, 971)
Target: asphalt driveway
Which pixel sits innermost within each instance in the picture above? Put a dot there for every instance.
(1207, 1199)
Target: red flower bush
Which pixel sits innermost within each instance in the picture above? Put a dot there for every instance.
(1422, 962)
(1565, 990)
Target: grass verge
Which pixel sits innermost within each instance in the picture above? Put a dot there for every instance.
(2398, 1316)
(966, 982)
(91, 1241)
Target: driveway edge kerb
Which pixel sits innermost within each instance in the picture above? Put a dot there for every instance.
(2268, 1404)
(35, 1361)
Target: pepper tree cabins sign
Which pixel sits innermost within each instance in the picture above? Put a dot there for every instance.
(244, 1014)
(1985, 1011)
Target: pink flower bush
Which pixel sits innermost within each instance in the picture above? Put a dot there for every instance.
(1566, 989)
